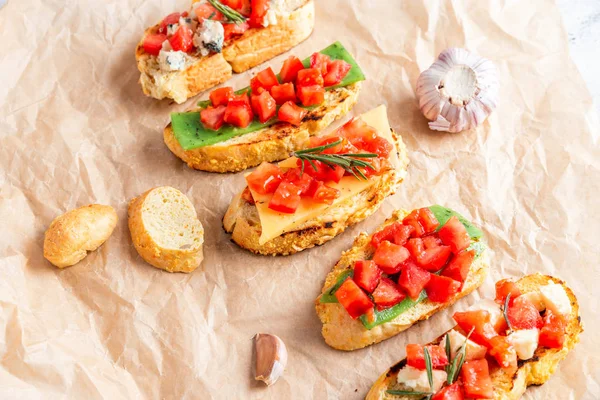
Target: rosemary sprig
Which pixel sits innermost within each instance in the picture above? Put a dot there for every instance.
(505, 310)
(227, 12)
(350, 162)
(408, 393)
(428, 367)
(453, 368)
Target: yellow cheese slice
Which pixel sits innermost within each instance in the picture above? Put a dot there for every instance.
(274, 223)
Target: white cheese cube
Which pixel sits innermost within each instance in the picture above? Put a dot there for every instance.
(457, 339)
(490, 306)
(525, 341)
(416, 379)
(556, 298)
(536, 299)
(171, 60)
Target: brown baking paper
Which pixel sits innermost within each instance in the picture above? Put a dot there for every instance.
(76, 129)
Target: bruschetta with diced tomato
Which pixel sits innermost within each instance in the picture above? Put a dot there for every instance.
(416, 264)
(311, 197)
(188, 52)
(497, 349)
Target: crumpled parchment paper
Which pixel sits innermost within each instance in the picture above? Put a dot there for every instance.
(76, 129)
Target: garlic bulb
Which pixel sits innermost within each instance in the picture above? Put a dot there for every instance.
(271, 357)
(459, 91)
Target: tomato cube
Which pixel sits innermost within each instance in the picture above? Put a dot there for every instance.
(434, 258)
(302, 181)
(440, 289)
(283, 93)
(221, 96)
(413, 279)
(415, 356)
(412, 219)
(452, 392)
(311, 95)
(207, 11)
(182, 39)
(366, 274)
(264, 106)
(213, 117)
(324, 194)
(170, 19)
(290, 68)
(243, 97)
(309, 77)
(503, 288)
(415, 247)
(387, 294)
(259, 10)
(428, 220)
(336, 72)
(380, 146)
(238, 113)
(153, 43)
(290, 112)
(353, 299)
(523, 314)
(232, 30)
(459, 266)
(286, 198)
(503, 352)
(394, 233)
(477, 384)
(454, 234)
(265, 79)
(320, 61)
(265, 179)
(358, 132)
(479, 322)
(389, 256)
(552, 334)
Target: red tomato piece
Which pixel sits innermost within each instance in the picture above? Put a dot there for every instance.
(434, 258)
(309, 77)
(415, 247)
(503, 288)
(380, 146)
(389, 256)
(170, 19)
(336, 72)
(428, 220)
(415, 356)
(238, 113)
(213, 117)
(387, 294)
(153, 43)
(302, 181)
(265, 179)
(394, 233)
(259, 10)
(479, 322)
(311, 95)
(221, 96)
(431, 241)
(290, 68)
(182, 39)
(523, 314)
(477, 384)
(207, 11)
(264, 106)
(290, 112)
(452, 392)
(413, 279)
(232, 30)
(286, 198)
(353, 299)
(503, 352)
(235, 4)
(325, 194)
(552, 334)
(440, 289)
(412, 219)
(454, 234)
(284, 93)
(459, 266)
(265, 79)
(242, 97)
(366, 274)
(316, 141)
(358, 132)
(320, 61)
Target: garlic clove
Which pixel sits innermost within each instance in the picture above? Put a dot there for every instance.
(271, 357)
(459, 91)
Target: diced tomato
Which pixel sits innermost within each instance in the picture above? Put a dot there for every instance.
(247, 195)
(231, 30)
(265, 179)
(336, 72)
(242, 97)
(259, 10)
(320, 61)
(353, 299)
(311, 95)
(221, 96)
(207, 11)
(213, 117)
(264, 106)
(395, 233)
(415, 247)
(387, 294)
(265, 79)
(182, 39)
(366, 274)
(290, 112)
(302, 181)
(479, 321)
(440, 289)
(452, 392)
(477, 384)
(238, 113)
(415, 356)
(434, 258)
(427, 220)
(413, 279)
(523, 314)
(503, 352)
(459, 266)
(283, 93)
(552, 334)
(170, 19)
(454, 234)
(235, 4)
(153, 43)
(309, 77)
(286, 198)
(412, 219)
(380, 146)
(388, 256)
(503, 288)
(324, 193)
(290, 68)
(316, 141)
(431, 241)
(358, 132)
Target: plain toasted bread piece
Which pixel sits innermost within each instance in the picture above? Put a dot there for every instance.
(344, 333)
(165, 230)
(70, 236)
(254, 47)
(273, 143)
(534, 371)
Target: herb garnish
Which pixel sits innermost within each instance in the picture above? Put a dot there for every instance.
(505, 310)
(453, 368)
(228, 12)
(349, 161)
(429, 368)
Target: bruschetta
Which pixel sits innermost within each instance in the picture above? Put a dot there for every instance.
(310, 198)
(189, 52)
(497, 349)
(273, 116)
(415, 265)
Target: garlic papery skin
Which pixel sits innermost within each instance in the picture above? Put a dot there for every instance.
(459, 91)
(271, 357)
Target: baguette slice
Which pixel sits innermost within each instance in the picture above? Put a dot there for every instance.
(254, 47)
(535, 371)
(273, 143)
(165, 230)
(243, 222)
(344, 333)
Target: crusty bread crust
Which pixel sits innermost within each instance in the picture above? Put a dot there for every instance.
(535, 371)
(270, 144)
(254, 47)
(242, 221)
(344, 333)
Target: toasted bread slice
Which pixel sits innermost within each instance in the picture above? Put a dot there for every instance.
(273, 143)
(535, 371)
(254, 47)
(165, 230)
(344, 333)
